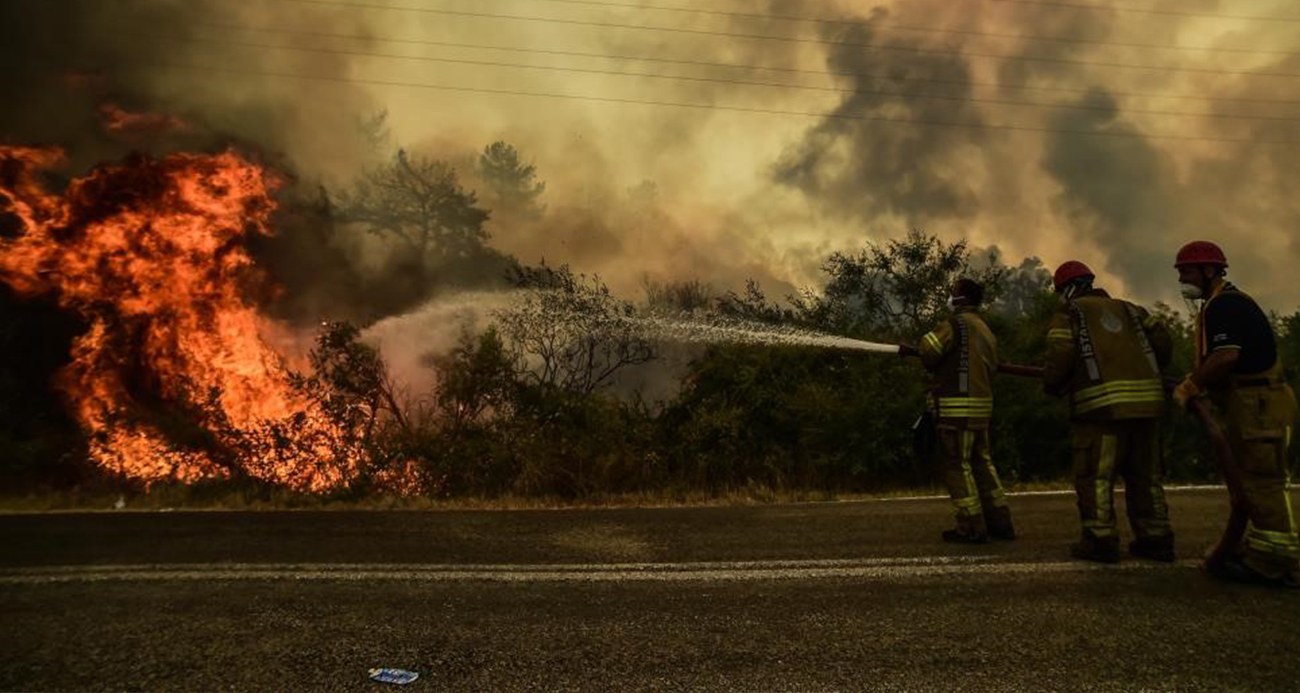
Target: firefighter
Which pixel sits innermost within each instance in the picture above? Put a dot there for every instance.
(1106, 356)
(961, 355)
(1238, 368)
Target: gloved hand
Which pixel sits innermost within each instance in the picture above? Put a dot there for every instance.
(905, 350)
(1188, 389)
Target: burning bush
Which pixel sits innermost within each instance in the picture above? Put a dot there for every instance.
(174, 361)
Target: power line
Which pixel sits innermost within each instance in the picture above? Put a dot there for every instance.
(787, 39)
(716, 80)
(931, 30)
(1137, 10)
(737, 66)
(714, 107)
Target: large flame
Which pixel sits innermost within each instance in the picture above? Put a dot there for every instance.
(150, 253)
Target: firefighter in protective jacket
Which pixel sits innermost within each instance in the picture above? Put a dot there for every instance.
(1238, 367)
(961, 355)
(1105, 355)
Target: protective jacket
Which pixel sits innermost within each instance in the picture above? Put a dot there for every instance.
(961, 353)
(1106, 355)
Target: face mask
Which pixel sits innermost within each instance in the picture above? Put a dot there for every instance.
(952, 303)
(1191, 292)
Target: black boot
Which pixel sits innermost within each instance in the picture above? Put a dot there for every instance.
(999, 524)
(1233, 569)
(1005, 533)
(1154, 548)
(956, 536)
(1094, 549)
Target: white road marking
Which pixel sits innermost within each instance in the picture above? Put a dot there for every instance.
(877, 569)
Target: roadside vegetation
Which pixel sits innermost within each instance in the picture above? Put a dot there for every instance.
(537, 411)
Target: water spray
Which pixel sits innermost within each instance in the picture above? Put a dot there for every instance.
(732, 331)
(727, 330)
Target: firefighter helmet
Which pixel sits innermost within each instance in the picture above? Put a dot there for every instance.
(1201, 253)
(1068, 272)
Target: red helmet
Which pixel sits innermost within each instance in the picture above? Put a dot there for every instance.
(1070, 271)
(1201, 253)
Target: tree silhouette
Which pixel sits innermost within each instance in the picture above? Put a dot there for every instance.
(419, 201)
(897, 290)
(514, 184)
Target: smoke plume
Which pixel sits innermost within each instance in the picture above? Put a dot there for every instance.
(1021, 126)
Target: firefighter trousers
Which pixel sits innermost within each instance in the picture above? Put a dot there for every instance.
(1259, 424)
(978, 500)
(1129, 449)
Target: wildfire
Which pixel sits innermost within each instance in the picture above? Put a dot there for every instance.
(150, 254)
(119, 121)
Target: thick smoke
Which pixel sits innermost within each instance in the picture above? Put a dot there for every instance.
(1125, 199)
(437, 327)
(73, 60)
(858, 163)
(679, 193)
(1114, 187)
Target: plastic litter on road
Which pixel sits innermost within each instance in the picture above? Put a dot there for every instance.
(400, 677)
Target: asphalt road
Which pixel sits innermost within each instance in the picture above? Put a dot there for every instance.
(843, 596)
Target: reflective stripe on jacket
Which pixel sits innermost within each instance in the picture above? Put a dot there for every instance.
(1100, 354)
(961, 353)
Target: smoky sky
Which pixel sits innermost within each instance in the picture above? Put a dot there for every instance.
(69, 60)
(1086, 174)
(61, 63)
(865, 159)
(1118, 192)
(1097, 182)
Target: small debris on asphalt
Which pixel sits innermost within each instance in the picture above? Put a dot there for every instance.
(400, 677)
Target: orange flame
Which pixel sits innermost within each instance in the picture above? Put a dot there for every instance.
(150, 254)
